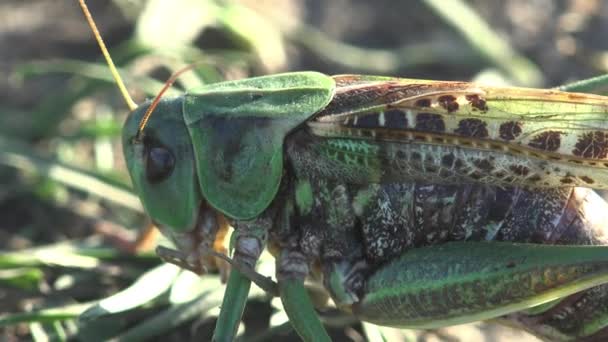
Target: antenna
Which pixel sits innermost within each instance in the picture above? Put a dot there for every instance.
(169, 83)
(125, 93)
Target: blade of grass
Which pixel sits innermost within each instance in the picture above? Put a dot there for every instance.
(95, 71)
(45, 315)
(149, 286)
(16, 155)
(27, 278)
(383, 60)
(59, 331)
(597, 85)
(270, 334)
(38, 333)
(487, 43)
(174, 316)
(65, 254)
(58, 255)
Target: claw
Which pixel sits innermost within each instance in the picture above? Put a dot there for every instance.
(192, 263)
(180, 259)
(345, 280)
(198, 249)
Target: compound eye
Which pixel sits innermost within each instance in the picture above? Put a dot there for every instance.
(159, 164)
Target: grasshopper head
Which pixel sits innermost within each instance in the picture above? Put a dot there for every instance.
(160, 160)
(220, 145)
(161, 164)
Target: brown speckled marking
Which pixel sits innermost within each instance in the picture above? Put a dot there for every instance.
(587, 180)
(423, 103)
(477, 102)
(448, 102)
(519, 170)
(534, 178)
(430, 122)
(510, 130)
(546, 141)
(566, 180)
(592, 145)
(472, 128)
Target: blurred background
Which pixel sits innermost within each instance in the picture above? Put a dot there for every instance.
(68, 218)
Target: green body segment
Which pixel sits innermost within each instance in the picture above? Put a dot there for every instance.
(300, 311)
(173, 202)
(237, 130)
(235, 298)
(461, 282)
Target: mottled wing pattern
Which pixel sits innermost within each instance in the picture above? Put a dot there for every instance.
(568, 128)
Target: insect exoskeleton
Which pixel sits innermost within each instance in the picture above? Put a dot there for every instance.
(415, 203)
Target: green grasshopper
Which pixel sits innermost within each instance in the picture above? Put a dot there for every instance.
(415, 203)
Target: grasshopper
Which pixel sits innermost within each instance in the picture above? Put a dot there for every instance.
(415, 203)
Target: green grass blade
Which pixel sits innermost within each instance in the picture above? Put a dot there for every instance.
(487, 43)
(596, 85)
(148, 287)
(45, 315)
(173, 317)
